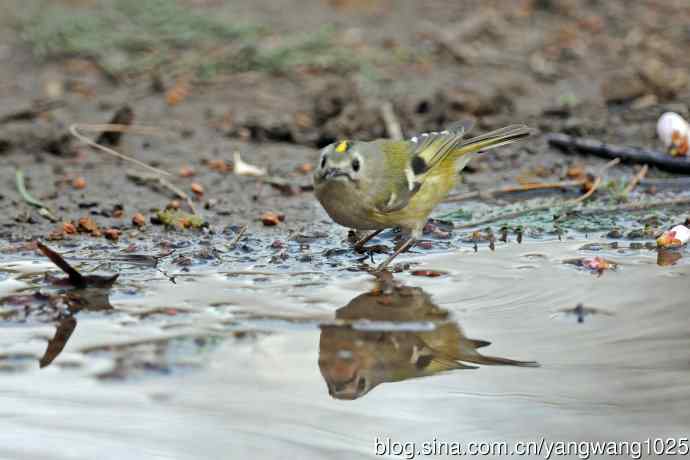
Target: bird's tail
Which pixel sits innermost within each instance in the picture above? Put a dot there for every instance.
(496, 361)
(493, 139)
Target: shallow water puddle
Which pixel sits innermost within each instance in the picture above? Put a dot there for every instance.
(257, 364)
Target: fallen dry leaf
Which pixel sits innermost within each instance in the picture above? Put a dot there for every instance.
(676, 237)
(575, 172)
(682, 144)
(245, 169)
(112, 234)
(186, 171)
(174, 204)
(436, 231)
(425, 245)
(303, 120)
(198, 189)
(305, 168)
(138, 219)
(68, 228)
(56, 235)
(88, 225)
(596, 263)
(270, 218)
(219, 165)
(178, 92)
(428, 273)
(79, 183)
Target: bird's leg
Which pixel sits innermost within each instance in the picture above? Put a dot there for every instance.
(359, 245)
(402, 248)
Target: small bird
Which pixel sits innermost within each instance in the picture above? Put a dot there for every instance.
(397, 343)
(385, 183)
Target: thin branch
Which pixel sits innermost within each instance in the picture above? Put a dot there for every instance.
(516, 214)
(569, 144)
(120, 128)
(636, 180)
(238, 237)
(165, 184)
(597, 182)
(73, 129)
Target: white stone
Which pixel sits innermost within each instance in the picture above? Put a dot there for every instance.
(669, 123)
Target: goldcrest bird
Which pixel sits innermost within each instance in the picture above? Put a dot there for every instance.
(385, 183)
(353, 361)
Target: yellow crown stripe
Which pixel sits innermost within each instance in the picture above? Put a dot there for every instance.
(342, 147)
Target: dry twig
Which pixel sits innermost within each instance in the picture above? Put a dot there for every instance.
(73, 129)
(597, 182)
(516, 214)
(571, 144)
(636, 180)
(238, 237)
(165, 184)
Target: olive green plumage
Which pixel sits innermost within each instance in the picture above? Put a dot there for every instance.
(384, 183)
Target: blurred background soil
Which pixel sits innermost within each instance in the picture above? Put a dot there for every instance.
(275, 81)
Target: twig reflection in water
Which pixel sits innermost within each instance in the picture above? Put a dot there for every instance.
(91, 292)
(395, 333)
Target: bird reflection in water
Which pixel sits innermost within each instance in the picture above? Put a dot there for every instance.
(394, 333)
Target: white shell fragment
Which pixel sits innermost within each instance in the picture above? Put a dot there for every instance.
(245, 169)
(676, 237)
(673, 131)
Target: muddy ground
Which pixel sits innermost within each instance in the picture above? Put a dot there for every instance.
(520, 316)
(605, 69)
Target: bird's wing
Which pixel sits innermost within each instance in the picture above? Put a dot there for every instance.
(429, 149)
(397, 186)
(422, 153)
(431, 360)
(432, 148)
(413, 159)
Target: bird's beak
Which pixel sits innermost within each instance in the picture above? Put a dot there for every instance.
(332, 173)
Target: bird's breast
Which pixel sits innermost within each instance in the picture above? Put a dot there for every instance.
(346, 205)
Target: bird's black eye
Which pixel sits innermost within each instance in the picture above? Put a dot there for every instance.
(323, 161)
(355, 165)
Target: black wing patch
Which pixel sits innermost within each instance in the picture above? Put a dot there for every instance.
(418, 165)
(428, 149)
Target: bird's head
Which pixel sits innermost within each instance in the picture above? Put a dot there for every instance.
(341, 161)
